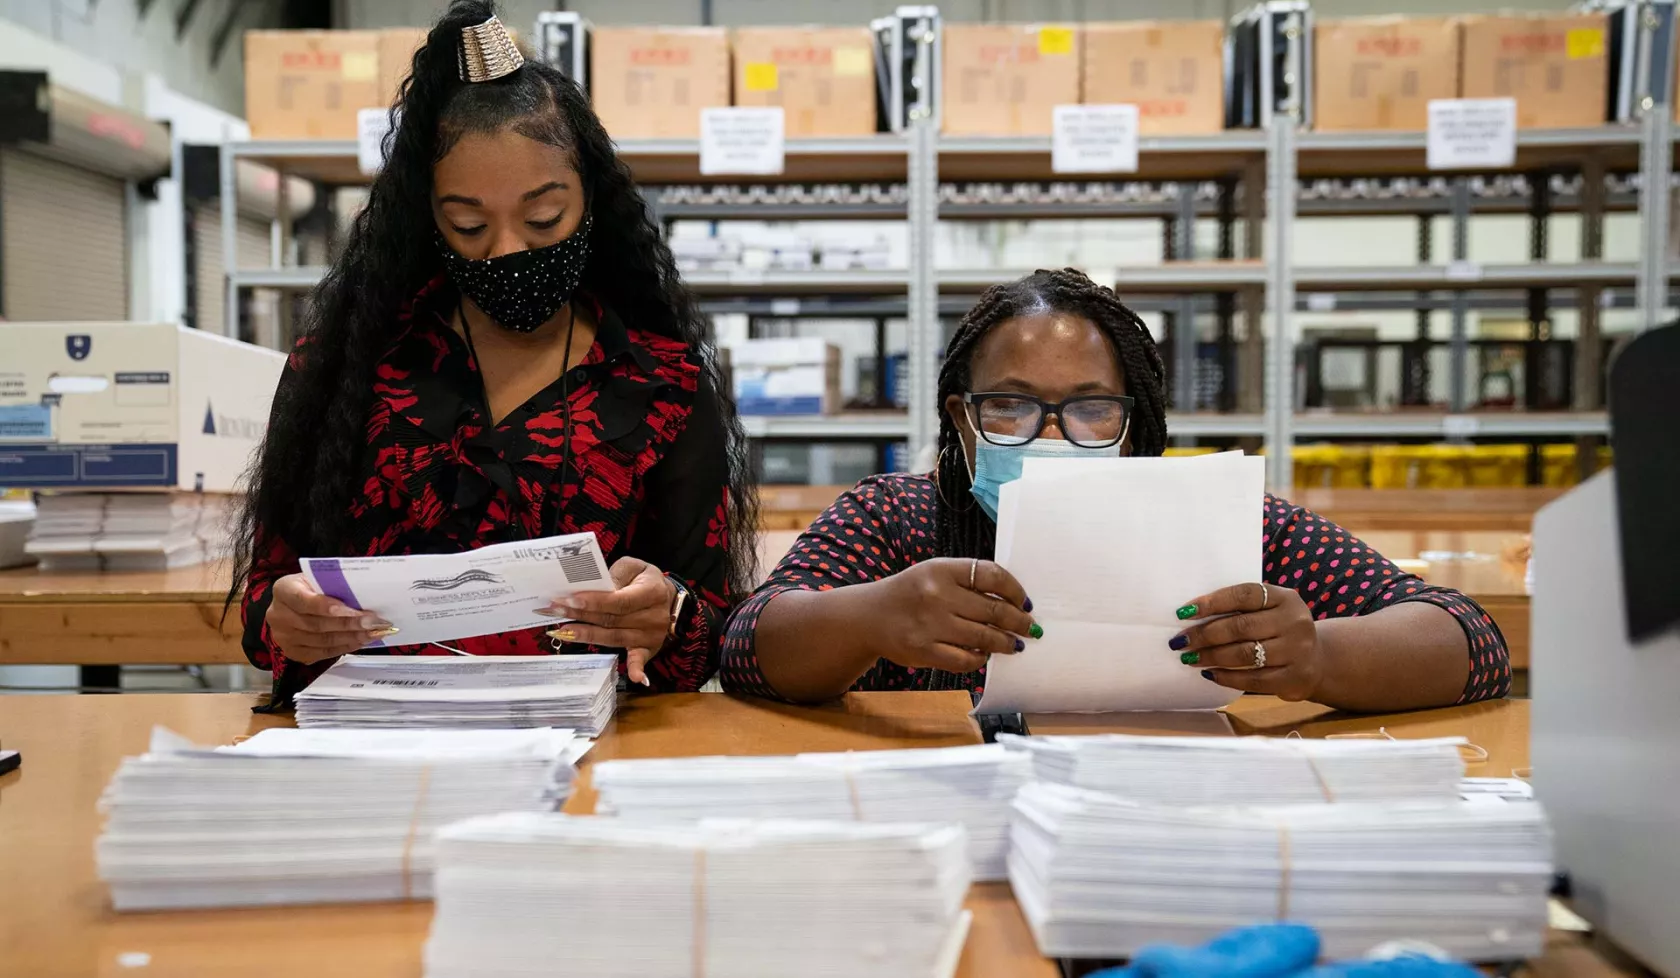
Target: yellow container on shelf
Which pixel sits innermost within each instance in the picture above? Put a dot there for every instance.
(1419, 466)
(1315, 465)
(1557, 464)
(1498, 465)
(1353, 467)
(1177, 452)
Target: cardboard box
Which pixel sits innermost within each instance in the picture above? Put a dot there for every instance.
(396, 55)
(121, 405)
(309, 84)
(822, 77)
(1557, 66)
(1381, 72)
(1173, 71)
(1006, 79)
(652, 82)
(786, 376)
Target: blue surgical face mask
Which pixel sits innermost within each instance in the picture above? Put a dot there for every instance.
(997, 465)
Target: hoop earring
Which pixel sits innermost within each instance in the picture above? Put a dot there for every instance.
(939, 490)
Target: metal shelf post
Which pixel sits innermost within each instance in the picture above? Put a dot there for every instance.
(1280, 302)
(923, 287)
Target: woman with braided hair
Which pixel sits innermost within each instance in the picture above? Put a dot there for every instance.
(894, 587)
(502, 352)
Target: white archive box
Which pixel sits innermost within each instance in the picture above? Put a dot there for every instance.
(130, 405)
(786, 376)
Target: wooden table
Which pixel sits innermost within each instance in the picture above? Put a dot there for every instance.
(54, 917)
(1509, 510)
(147, 617)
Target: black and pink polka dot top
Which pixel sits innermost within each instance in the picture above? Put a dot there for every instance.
(885, 524)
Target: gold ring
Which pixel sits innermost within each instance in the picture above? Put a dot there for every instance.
(973, 566)
(1259, 656)
(1265, 596)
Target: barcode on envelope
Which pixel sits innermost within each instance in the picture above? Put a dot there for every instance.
(404, 682)
(579, 568)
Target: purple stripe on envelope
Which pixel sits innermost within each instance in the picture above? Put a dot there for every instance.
(330, 576)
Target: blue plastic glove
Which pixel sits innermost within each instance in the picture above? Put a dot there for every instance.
(1263, 951)
(1407, 966)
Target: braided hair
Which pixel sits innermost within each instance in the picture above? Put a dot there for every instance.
(961, 528)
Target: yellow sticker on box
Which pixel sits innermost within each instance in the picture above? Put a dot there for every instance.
(360, 65)
(1585, 42)
(1055, 40)
(760, 76)
(851, 62)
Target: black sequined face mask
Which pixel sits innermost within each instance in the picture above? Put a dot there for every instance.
(522, 290)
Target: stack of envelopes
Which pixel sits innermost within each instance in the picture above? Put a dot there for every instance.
(524, 895)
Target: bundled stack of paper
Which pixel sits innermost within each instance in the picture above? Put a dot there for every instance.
(17, 519)
(577, 691)
(129, 531)
(312, 816)
(522, 895)
(971, 785)
(1101, 876)
(1248, 770)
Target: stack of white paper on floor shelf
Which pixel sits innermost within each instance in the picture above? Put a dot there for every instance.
(577, 691)
(1108, 550)
(312, 816)
(971, 785)
(17, 519)
(1099, 876)
(130, 531)
(1248, 770)
(522, 895)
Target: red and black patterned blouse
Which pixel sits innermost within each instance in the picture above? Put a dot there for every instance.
(886, 523)
(648, 476)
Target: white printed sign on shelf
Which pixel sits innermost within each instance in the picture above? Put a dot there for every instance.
(1094, 139)
(1472, 133)
(371, 127)
(747, 141)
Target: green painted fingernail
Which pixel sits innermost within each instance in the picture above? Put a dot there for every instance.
(1188, 611)
(1035, 631)
(1190, 658)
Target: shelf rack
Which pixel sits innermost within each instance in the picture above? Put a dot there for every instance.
(1271, 165)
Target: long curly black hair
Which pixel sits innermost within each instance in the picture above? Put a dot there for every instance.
(961, 527)
(306, 471)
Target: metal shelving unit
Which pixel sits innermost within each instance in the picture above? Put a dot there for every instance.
(1261, 180)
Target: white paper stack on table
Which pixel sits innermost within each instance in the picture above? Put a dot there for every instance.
(1248, 770)
(1099, 876)
(312, 816)
(526, 895)
(970, 785)
(130, 531)
(1106, 578)
(496, 691)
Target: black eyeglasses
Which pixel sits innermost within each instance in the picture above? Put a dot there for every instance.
(1089, 421)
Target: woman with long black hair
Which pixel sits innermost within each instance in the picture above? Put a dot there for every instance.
(503, 351)
(894, 587)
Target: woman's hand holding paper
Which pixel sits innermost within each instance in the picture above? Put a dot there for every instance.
(929, 617)
(636, 617)
(1258, 638)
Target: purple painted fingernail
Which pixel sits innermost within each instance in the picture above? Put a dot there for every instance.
(1020, 646)
(1207, 674)
(1027, 606)
(1177, 642)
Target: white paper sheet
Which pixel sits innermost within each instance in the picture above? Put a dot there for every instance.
(1108, 549)
(445, 597)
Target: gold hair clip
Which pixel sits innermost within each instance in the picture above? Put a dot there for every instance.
(488, 52)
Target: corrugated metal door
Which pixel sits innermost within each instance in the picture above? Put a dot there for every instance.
(210, 278)
(63, 241)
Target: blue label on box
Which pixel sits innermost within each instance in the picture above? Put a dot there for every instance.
(26, 422)
(56, 466)
(781, 406)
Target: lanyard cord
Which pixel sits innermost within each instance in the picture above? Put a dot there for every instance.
(551, 523)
